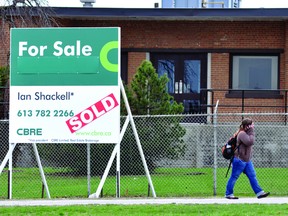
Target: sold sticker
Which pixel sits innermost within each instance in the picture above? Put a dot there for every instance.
(92, 113)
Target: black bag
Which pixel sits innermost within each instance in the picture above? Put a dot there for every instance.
(229, 148)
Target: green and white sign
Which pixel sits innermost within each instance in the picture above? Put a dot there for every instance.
(64, 85)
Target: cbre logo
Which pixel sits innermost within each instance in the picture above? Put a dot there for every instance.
(104, 56)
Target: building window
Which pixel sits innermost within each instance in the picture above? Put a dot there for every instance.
(255, 72)
(166, 66)
(187, 74)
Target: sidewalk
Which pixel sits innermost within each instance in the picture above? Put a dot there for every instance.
(141, 201)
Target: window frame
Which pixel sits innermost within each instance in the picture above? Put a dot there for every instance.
(252, 93)
(179, 58)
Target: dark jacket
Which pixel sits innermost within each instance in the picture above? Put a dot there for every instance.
(246, 140)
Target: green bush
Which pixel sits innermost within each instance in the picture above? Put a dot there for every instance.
(4, 75)
(161, 137)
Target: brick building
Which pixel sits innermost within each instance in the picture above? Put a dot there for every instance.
(236, 56)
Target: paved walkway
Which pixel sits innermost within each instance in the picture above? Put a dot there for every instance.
(140, 201)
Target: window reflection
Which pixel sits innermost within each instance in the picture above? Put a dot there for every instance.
(192, 76)
(167, 67)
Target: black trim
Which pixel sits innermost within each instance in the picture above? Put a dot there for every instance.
(232, 51)
(165, 14)
(225, 14)
(124, 67)
(255, 94)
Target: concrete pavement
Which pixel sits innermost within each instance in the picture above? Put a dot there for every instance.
(141, 201)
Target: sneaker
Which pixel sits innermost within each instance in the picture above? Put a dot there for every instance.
(231, 197)
(263, 195)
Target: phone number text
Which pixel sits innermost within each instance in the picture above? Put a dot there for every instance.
(45, 113)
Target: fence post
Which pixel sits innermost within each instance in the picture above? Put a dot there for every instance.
(285, 103)
(215, 148)
(88, 168)
(243, 103)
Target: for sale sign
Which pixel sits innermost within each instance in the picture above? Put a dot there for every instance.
(64, 85)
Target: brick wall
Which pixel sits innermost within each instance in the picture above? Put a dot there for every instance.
(204, 36)
(4, 46)
(135, 59)
(194, 34)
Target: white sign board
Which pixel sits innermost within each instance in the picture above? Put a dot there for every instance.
(65, 87)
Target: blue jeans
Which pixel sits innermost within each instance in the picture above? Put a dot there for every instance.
(239, 166)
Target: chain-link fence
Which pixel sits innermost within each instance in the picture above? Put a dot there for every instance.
(182, 153)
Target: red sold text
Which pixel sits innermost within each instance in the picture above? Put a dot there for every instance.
(92, 113)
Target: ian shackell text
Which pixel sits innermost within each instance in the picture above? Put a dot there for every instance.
(41, 96)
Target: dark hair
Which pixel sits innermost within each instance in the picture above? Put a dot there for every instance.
(246, 122)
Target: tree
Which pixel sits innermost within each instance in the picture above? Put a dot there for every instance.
(148, 93)
(26, 13)
(161, 136)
